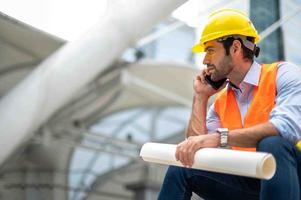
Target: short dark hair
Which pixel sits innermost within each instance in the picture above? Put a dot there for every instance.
(247, 53)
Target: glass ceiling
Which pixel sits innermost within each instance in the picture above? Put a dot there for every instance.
(69, 19)
(135, 126)
(66, 19)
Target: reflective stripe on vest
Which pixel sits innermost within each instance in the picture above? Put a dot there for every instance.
(263, 101)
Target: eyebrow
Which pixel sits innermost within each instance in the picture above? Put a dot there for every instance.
(209, 47)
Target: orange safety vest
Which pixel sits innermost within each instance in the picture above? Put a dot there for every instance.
(263, 101)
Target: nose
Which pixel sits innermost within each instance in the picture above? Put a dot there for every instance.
(206, 60)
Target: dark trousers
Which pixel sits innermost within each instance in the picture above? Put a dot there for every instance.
(179, 182)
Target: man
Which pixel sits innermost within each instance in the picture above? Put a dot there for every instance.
(259, 108)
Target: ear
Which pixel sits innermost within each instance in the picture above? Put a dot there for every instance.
(236, 47)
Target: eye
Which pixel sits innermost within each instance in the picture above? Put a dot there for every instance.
(210, 51)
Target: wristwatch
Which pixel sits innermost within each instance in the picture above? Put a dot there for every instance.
(224, 137)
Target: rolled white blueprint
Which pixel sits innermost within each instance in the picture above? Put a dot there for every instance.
(252, 164)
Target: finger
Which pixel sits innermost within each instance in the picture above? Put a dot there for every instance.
(177, 154)
(185, 157)
(191, 158)
(181, 156)
(178, 150)
(207, 71)
(193, 148)
(188, 155)
(191, 155)
(188, 159)
(201, 77)
(198, 77)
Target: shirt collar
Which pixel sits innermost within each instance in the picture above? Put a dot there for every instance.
(252, 76)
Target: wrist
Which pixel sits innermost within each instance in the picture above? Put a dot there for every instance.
(217, 138)
(223, 132)
(201, 97)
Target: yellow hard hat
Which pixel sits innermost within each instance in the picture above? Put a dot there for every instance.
(226, 22)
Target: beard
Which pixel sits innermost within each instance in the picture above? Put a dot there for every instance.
(222, 69)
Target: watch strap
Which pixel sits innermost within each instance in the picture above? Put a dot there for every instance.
(223, 137)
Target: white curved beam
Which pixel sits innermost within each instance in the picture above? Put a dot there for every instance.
(69, 69)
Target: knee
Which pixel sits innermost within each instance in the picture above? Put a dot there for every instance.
(174, 171)
(176, 175)
(276, 145)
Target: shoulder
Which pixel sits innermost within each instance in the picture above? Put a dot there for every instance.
(288, 76)
(287, 67)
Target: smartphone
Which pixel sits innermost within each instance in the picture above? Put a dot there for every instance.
(215, 84)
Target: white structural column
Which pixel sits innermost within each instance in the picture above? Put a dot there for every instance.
(59, 77)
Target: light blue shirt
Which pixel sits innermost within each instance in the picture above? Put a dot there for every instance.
(286, 115)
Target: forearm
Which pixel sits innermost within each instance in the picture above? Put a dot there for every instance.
(249, 137)
(197, 122)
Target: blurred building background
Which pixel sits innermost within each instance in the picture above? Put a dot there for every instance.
(89, 147)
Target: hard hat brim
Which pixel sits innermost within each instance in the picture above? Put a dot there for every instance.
(197, 48)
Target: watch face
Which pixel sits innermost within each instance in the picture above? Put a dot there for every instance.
(222, 130)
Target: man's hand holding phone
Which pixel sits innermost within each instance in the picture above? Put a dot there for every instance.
(204, 86)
